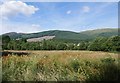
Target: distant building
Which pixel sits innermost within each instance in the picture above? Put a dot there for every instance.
(78, 44)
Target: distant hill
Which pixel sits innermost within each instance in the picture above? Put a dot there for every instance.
(108, 32)
(13, 35)
(67, 35)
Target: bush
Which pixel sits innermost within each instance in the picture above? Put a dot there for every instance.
(75, 64)
(108, 71)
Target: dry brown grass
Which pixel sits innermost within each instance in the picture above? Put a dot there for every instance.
(56, 65)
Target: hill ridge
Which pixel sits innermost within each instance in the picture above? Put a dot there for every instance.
(69, 35)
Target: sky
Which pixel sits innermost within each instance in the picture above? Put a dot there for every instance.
(31, 17)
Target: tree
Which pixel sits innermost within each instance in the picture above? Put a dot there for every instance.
(61, 46)
(5, 41)
(70, 46)
(44, 45)
(82, 45)
(97, 44)
(113, 44)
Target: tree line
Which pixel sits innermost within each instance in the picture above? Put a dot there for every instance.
(98, 44)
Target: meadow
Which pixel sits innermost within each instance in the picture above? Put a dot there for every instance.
(84, 66)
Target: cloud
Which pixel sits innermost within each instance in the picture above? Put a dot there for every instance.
(69, 12)
(12, 8)
(86, 9)
(21, 28)
(35, 25)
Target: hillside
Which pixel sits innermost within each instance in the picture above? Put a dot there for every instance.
(40, 39)
(101, 32)
(13, 35)
(67, 35)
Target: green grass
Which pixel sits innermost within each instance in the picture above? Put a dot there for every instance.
(61, 66)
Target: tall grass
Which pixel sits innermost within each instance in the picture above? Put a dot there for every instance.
(61, 66)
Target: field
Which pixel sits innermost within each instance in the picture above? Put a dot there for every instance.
(82, 66)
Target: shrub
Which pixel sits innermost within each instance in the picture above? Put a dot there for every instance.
(75, 64)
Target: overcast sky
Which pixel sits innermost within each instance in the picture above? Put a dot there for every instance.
(29, 17)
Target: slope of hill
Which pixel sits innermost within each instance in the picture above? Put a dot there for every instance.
(67, 35)
(101, 32)
(40, 39)
(13, 35)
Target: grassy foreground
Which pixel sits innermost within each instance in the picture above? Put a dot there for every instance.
(61, 66)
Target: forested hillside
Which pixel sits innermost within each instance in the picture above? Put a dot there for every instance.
(98, 44)
(94, 40)
(67, 35)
